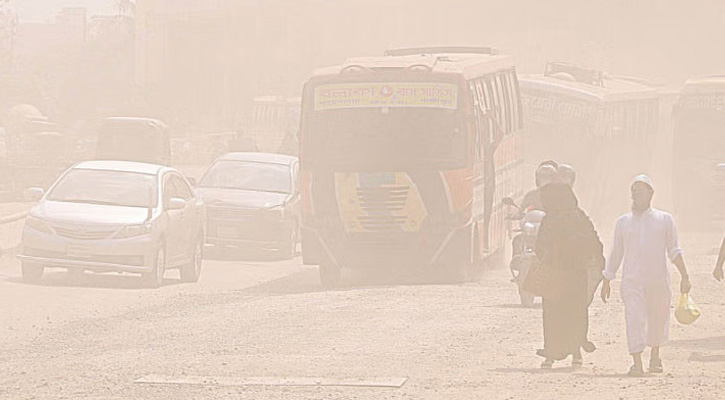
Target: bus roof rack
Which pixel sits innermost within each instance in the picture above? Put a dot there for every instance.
(440, 50)
(582, 75)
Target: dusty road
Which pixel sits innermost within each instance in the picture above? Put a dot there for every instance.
(94, 338)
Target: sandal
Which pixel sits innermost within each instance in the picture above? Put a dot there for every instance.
(547, 364)
(655, 366)
(635, 372)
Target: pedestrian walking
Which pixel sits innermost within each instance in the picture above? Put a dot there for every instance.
(718, 272)
(643, 239)
(566, 244)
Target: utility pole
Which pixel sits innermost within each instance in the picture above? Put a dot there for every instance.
(8, 25)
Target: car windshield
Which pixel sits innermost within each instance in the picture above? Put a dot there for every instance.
(251, 176)
(115, 188)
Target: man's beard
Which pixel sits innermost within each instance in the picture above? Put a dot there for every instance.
(640, 208)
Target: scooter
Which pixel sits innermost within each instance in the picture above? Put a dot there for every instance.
(523, 247)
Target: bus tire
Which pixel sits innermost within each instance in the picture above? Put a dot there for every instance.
(479, 261)
(330, 275)
(310, 249)
(457, 273)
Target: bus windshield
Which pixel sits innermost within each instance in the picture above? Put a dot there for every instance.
(413, 137)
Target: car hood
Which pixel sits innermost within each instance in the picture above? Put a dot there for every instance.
(89, 213)
(241, 198)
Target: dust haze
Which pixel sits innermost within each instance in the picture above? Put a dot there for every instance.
(362, 199)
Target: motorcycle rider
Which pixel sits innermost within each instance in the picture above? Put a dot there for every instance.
(546, 173)
(566, 174)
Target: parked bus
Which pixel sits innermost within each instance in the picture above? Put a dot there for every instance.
(134, 139)
(603, 126)
(699, 150)
(274, 123)
(405, 160)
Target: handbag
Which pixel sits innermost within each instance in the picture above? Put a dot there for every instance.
(544, 281)
(686, 311)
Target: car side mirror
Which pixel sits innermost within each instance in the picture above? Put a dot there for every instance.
(176, 204)
(508, 202)
(34, 194)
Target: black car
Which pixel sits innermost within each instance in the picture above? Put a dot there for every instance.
(252, 202)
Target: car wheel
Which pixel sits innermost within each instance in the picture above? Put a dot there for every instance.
(289, 249)
(191, 272)
(330, 275)
(155, 277)
(32, 273)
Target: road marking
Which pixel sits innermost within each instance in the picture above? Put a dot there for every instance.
(385, 382)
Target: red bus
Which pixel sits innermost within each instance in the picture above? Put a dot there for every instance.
(405, 160)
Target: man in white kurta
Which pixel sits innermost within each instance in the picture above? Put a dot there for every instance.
(644, 239)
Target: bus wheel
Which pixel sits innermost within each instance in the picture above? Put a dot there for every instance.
(456, 273)
(330, 275)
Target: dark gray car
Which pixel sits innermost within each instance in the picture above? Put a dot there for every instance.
(252, 202)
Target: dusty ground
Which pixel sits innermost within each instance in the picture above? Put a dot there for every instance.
(92, 339)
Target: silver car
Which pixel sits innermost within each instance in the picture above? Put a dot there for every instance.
(115, 216)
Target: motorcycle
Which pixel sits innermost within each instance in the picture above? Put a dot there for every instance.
(523, 242)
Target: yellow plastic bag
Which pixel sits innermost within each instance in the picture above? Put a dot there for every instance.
(686, 311)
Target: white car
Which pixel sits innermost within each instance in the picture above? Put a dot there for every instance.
(115, 216)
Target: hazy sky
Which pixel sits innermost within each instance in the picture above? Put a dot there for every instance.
(35, 10)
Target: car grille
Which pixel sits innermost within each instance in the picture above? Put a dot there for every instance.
(381, 204)
(132, 260)
(83, 234)
(228, 213)
(252, 232)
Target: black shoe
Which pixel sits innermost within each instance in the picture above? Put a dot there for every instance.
(577, 361)
(589, 347)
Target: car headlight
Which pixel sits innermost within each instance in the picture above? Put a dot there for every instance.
(132, 231)
(37, 224)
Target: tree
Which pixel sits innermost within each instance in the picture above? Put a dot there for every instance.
(125, 7)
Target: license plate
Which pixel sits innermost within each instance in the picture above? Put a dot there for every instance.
(80, 251)
(225, 232)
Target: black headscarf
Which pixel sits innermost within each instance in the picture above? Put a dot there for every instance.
(566, 234)
(558, 198)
